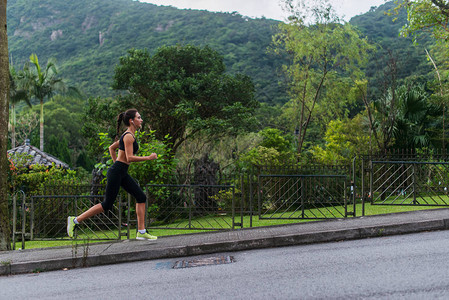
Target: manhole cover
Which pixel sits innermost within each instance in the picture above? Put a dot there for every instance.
(219, 260)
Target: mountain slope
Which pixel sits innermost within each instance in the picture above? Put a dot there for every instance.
(88, 36)
(383, 31)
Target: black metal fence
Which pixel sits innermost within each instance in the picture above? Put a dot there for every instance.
(405, 178)
(205, 207)
(302, 196)
(44, 216)
(48, 218)
(409, 183)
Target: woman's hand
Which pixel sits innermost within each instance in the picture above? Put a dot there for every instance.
(112, 151)
(152, 156)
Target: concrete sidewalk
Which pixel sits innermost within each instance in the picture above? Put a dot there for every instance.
(25, 261)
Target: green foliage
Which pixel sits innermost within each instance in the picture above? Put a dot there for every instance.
(64, 120)
(59, 148)
(272, 138)
(49, 28)
(34, 178)
(43, 82)
(156, 171)
(183, 90)
(98, 115)
(274, 149)
(344, 140)
(18, 92)
(326, 57)
(383, 30)
(425, 15)
(416, 118)
(225, 152)
(263, 156)
(224, 199)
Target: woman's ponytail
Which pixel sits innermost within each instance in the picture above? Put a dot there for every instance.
(119, 122)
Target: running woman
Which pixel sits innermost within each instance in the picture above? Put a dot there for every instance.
(117, 175)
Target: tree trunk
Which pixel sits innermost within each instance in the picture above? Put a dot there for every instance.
(42, 126)
(5, 242)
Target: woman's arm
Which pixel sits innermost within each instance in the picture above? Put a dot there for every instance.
(113, 149)
(130, 157)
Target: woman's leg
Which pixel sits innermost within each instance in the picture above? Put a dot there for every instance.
(93, 211)
(140, 211)
(113, 177)
(131, 186)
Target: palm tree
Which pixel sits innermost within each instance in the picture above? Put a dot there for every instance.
(404, 118)
(43, 83)
(415, 119)
(18, 92)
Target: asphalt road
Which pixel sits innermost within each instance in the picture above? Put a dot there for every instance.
(414, 266)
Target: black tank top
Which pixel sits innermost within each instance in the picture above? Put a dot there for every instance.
(121, 143)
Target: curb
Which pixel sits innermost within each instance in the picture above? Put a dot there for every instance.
(10, 268)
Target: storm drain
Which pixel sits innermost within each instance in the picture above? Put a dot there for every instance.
(210, 261)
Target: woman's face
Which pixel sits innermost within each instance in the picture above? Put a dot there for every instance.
(137, 121)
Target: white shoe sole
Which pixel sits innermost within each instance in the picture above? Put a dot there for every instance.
(68, 222)
(144, 239)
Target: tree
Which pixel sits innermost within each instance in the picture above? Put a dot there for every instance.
(184, 90)
(416, 118)
(18, 93)
(383, 116)
(324, 56)
(5, 243)
(344, 139)
(64, 120)
(432, 17)
(98, 116)
(26, 124)
(43, 84)
(426, 16)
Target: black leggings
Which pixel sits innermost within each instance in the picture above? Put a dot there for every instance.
(117, 177)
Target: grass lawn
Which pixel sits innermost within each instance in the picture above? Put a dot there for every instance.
(225, 223)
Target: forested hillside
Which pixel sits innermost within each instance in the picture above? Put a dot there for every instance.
(87, 37)
(383, 31)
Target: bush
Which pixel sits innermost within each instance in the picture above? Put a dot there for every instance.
(37, 180)
(157, 171)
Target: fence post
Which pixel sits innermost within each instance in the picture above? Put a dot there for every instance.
(303, 188)
(128, 221)
(23, 219)
(363, 186)
(242, 201)
(251, 196)
(14, 220)
(32, 218)
(119, 218)
(259, 191)
(345, 198)
(190, 201)
(371, 182)
(414, 184)
(353, 186)
(233, 207)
